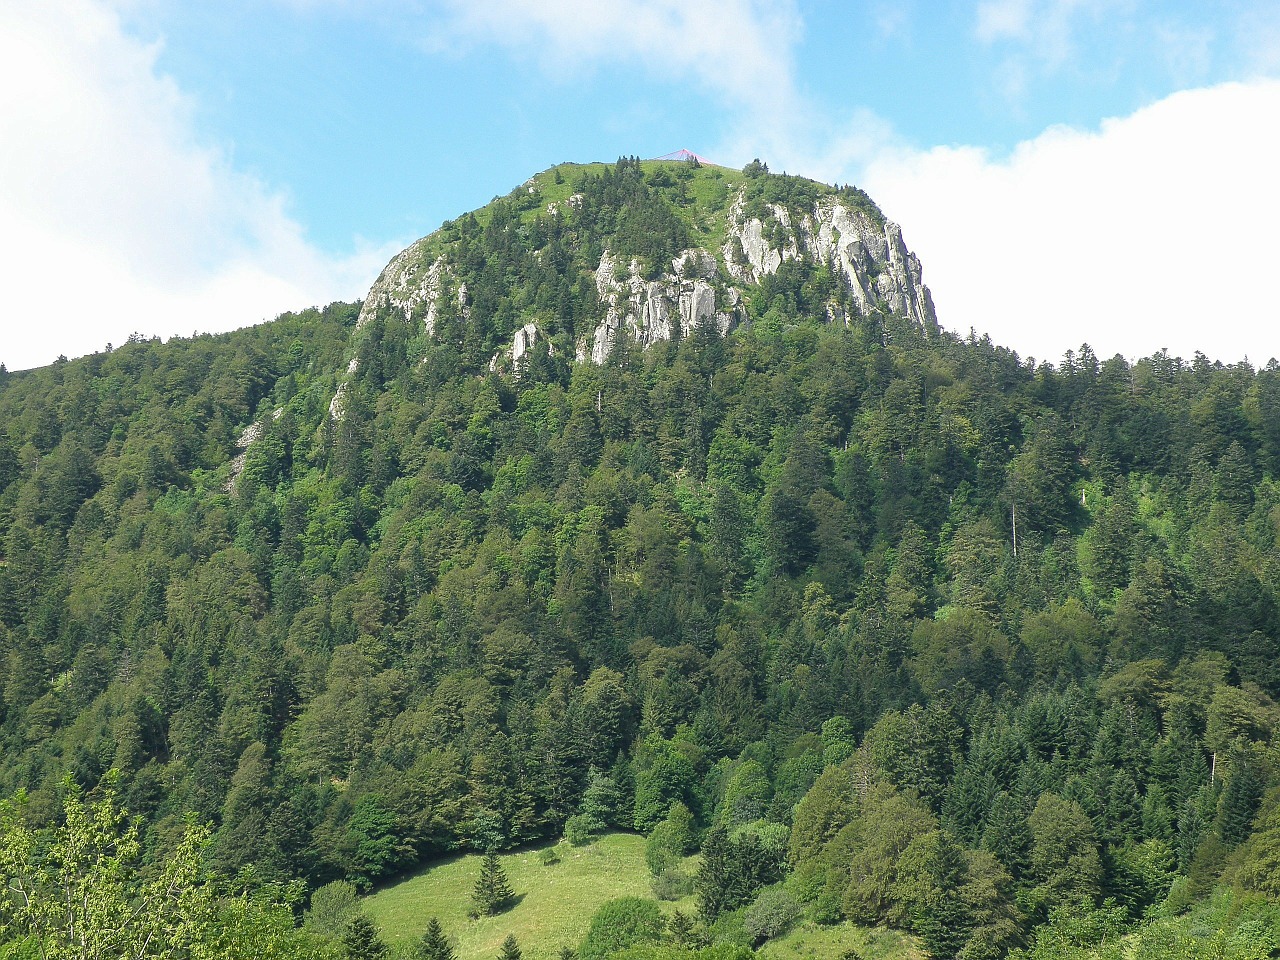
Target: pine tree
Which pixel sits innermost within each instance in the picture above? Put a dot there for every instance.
(361, 940)
(492, 890)
(510, 949)
(715, 874)
(1240, 800)
(434, 945)
(681, 930)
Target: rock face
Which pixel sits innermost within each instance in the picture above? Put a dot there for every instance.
(406, 288)
(521, 343)
(675, 304)
(702, 287)
(875, 264)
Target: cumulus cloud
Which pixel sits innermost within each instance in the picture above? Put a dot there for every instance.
(1154, 230)
(116, 217)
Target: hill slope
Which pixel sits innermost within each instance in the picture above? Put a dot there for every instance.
(361, 588)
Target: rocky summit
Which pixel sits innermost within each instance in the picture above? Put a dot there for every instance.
(735, 229)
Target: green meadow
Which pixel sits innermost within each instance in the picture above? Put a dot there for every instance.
(553, 904)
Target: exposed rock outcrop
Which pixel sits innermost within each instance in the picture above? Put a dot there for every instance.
(875, 264)
(405, 287)
(521, 343)
(676, 304)
(702, 287)
(248, 437)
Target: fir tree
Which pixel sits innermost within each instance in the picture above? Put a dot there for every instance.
(492, 890)
(510, 949)
(434, 945)
(1240, 800)
(361, 940)
(680, 928)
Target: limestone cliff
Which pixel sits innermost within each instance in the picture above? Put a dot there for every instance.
(744, 226)
(675, 304)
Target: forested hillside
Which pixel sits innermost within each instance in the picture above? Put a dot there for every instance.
(893, 626)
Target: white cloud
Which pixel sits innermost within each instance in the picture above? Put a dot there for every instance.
(1002, 19)
(115, 216)
(1155, 230)
(739, 50)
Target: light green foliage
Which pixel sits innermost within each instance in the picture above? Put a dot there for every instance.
(670, 840)
(746, 797)
(664, 776)
(825, 810)
(75, 888)
(620, 924)
(76, 891)
(555, 908)
(1064, 853)
(770, 914)
(332, 905)
(866, 854)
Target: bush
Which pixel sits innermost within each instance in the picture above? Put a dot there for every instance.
(620, 924)
(727, 929)
(671, 884)
(581, 829)
(549, 857)
(671, 839)
(331, 907)
(773, 911)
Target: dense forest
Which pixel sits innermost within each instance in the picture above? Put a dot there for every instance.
(893, 626)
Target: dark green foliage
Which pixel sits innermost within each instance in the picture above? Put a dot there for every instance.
(492, 892)
(434, 945)
(510, 949)
(1240, 799)
(757, 580)
(732, 871)
(375, 836)
(361, 940)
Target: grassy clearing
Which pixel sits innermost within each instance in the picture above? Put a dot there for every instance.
(554, 904)
(811, 942)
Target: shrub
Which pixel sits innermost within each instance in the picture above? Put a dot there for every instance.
(581, 829)
(549, 857)
(331, 907)
(671, 884)
(620, 924)
(773, 911)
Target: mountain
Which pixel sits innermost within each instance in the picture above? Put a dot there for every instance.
(672, 246)
(650, 497)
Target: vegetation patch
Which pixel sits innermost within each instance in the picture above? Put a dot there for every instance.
(551, 907)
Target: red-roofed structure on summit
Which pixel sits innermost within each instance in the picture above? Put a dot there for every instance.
(683, 154)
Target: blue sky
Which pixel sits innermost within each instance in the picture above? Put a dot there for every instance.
(1068, 170)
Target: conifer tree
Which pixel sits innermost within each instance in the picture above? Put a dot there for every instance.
(434, 945)
(361, 940)
(492, 890)
(510, 949)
